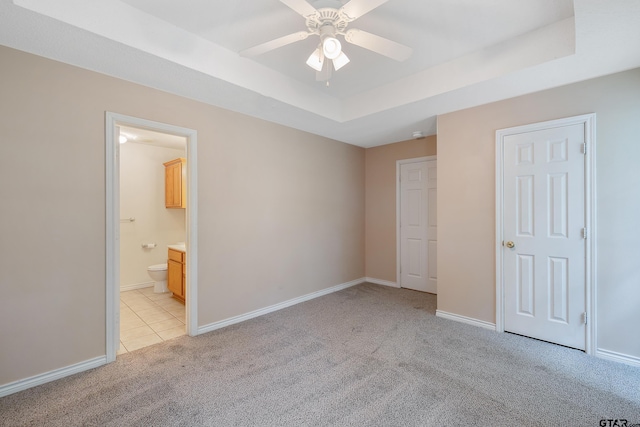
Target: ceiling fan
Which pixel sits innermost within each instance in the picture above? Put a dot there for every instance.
(329, 20)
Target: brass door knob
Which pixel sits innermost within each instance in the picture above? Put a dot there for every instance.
(510, 245)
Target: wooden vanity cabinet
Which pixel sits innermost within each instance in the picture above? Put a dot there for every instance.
(175, 183)
(176, 273)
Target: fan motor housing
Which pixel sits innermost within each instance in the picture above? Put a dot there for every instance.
(327, 17)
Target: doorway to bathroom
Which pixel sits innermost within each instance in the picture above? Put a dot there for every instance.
(149, 224)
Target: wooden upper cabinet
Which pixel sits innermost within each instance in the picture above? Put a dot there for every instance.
(175, 183)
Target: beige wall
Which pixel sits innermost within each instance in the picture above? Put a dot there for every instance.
(380, 190)
(281, 212)
(466, 200)
(142, 197)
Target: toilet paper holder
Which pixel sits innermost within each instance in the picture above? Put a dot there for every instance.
(148, 245)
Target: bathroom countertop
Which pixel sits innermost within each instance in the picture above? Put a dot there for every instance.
(181, 248)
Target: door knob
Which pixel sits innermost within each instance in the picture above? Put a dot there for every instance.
(510, 244)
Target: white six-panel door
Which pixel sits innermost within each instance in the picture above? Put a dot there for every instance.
(544, 246)
(418, 225)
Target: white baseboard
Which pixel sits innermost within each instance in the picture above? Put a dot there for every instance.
(465, 319)
(56, 374)
(136, 286)
(618, 357)
(381, 282)
(260, 312)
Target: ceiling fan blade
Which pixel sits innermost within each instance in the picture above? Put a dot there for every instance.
(378, 44)
(356, 8)
(274, 44)
(302, 7)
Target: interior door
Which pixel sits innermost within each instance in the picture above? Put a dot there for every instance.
(418, 226)
(544, 247)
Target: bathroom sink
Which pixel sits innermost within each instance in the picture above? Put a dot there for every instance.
(178, 247)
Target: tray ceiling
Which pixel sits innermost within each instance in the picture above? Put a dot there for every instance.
(465, 53)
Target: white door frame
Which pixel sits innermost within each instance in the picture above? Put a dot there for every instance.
(113, 120)
(589, 122)
(398, 242)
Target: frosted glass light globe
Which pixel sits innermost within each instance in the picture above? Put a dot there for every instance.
(331, 47)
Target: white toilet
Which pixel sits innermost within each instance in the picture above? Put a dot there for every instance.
(158, 273)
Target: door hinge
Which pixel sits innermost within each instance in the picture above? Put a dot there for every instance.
(584, 233)
(586, 317)
(584, 148)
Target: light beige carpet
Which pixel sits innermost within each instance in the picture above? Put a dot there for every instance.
(365, 356)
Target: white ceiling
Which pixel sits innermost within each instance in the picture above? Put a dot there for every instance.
(465, 53)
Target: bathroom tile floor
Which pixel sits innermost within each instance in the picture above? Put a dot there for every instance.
(147, 318)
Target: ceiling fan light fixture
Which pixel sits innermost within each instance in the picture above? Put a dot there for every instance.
(316, 60)
(340, 61)
(331, 47)
(329, 19)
